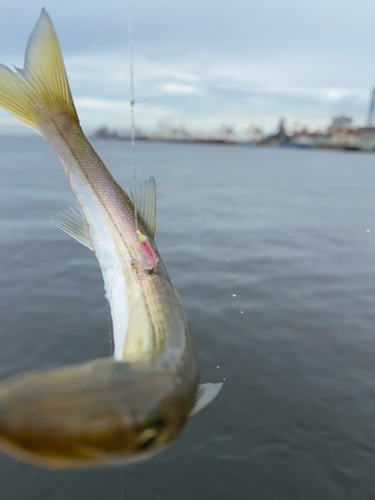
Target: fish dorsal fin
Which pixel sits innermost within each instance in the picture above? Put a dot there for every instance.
(144, 198)
(206, 393)
(71, 221)
(41, 88)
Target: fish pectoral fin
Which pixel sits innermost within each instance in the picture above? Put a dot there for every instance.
(71, 221)
(144, 199)
(206, 393)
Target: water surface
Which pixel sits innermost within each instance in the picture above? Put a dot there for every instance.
(273, 253)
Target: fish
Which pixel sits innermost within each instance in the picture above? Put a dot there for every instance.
(127, 407)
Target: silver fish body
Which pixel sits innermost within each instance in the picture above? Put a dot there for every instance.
(109, 410)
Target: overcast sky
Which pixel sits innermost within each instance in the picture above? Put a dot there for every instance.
(206, 63)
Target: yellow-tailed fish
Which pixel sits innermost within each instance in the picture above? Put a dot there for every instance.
(107, 411)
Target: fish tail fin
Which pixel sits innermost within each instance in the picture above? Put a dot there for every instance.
(39, 90)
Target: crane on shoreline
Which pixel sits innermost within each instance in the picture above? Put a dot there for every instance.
(370, 116)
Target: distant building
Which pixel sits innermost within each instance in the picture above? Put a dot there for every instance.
(280, 137)
(366, 138)
(341, 122)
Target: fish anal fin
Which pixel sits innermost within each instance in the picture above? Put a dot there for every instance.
(205, 394)
(71, 221)
(137, 342)
(144, 199)
(178, 296)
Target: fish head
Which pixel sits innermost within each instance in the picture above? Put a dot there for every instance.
(98, 413)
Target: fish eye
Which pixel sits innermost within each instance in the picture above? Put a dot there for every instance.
(147, 438)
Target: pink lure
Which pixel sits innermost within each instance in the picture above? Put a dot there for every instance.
(150, 259)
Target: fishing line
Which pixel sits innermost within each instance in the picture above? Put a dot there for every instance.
(122, 483)
(110, 330)
(132, 105)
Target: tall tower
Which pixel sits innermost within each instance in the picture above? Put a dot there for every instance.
(370, 116)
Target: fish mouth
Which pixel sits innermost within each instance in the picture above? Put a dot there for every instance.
(60, 448)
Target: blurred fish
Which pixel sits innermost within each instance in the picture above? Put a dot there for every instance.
(107, 411)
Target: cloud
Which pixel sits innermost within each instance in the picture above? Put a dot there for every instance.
(102, 104)
(177, 88)
(204, 62)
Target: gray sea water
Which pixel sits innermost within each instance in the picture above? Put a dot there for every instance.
(273, 253)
